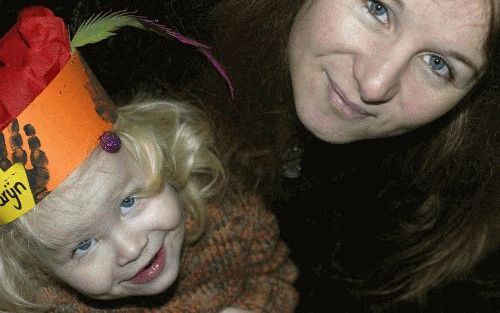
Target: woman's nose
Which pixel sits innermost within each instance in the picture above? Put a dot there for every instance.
(129, 244)
(378, 75)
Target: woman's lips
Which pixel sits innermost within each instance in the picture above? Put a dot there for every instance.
(152, 270)
(347, 107)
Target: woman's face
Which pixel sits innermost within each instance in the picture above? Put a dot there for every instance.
(369, 69)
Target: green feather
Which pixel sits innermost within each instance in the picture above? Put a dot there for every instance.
(102, 26)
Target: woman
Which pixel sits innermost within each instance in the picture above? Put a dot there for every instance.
(402, 185)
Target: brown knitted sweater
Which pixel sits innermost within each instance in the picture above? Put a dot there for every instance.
(239, 262)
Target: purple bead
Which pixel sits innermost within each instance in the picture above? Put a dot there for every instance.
(110, 142)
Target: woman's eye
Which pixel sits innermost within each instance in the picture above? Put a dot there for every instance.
(126, 205)
(378, 10)
(83, 247)
(438, 65)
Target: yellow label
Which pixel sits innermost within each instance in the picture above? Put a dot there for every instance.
(16, 197)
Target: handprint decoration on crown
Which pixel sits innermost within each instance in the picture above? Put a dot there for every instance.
(103, 104)
(52, 111)
(38, 173)
(63, 111)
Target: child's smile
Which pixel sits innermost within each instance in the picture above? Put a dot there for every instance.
(126, 241)
(152, 270)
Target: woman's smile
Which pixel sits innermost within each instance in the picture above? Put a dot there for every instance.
(342, 104)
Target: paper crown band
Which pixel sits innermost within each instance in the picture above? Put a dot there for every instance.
(51, 138)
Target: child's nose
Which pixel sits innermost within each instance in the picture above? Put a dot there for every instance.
(129, 245)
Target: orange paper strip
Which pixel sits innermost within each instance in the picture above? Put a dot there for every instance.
(64, 118)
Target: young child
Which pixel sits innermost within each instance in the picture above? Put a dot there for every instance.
(132, 212)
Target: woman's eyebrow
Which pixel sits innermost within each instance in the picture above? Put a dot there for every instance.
(466, 60)
(399, 3)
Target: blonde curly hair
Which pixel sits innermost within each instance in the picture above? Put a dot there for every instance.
(171, 141)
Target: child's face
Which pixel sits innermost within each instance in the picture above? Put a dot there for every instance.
(123, 243)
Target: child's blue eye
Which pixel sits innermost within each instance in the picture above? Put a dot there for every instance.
(83, 247)
(378, 10)
(127, 205)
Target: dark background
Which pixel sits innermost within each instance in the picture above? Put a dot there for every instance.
(134, 59)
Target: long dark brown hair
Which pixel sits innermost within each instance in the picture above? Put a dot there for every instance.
(452, 163)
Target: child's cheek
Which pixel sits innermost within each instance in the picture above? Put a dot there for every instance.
(165, 210)
(93, 278)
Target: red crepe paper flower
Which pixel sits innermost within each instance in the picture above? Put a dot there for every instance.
(32, 53)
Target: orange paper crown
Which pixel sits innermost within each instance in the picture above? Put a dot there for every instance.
(46, 138)
(52, 109)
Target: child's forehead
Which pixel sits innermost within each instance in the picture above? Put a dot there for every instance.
(102, 173)
(101, 182)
